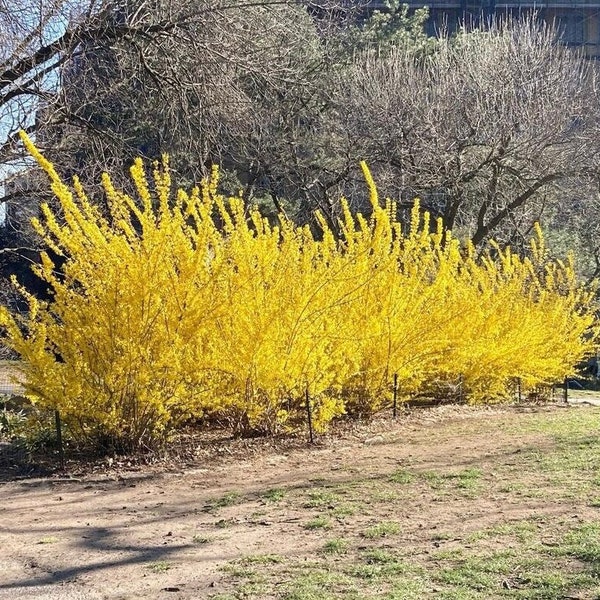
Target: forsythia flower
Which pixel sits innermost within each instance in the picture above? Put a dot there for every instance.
(182, 305)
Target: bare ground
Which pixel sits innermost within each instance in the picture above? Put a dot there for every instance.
(131, 533)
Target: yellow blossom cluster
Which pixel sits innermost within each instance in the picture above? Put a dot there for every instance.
(173, 306)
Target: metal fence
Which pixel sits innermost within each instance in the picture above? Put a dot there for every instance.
(9, 373)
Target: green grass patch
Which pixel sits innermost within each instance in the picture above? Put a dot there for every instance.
(49, 539)
(160, 566)
(336, 546)
(274, 495)
(201, 540)
(383, 529)
(228, 499)
(241, 570)
(320, 522)
(523, 531)
(434, 551)
(321, 584)
(583, 543)
(322, 498)
(344, 510)
(382, 564)
(402, 476)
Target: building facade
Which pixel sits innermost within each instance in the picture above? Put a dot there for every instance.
(578, 21)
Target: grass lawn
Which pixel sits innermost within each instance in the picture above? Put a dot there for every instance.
(444, 503)
(385, 536)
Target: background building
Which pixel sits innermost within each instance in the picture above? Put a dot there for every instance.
(577, 20)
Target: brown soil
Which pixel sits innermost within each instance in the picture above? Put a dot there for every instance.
(111, 532)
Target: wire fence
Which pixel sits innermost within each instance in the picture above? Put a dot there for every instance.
(9, 373)
(15, 459)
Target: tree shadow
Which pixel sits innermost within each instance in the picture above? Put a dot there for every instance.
(16, 463)
(100, 539)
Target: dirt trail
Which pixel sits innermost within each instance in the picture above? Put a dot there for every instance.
(138, 534)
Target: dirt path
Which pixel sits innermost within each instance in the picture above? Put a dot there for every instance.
(134, 534)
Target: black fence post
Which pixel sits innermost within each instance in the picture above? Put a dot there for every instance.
(311, 436)
(59, 440)
(566, 390)
(395, 403)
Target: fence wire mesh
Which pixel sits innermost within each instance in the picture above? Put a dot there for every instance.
(9, 379)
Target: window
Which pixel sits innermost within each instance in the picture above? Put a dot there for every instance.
(571, 25)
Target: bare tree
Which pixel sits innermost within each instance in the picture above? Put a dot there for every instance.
(99, 82)
(206, 82)
(179, 92)
(492, 129)
(297, 152)
(489, 130)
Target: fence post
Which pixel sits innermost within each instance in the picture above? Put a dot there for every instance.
(395, 404)
(566, 390)
(59, 440)
(309, 416)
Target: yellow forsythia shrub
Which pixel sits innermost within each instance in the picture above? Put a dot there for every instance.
(176, 305)
(131, 292)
